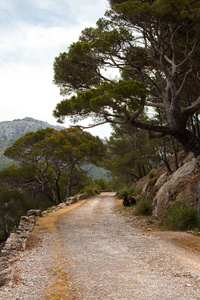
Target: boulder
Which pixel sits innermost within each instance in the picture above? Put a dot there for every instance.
(34, 212)
(61, 205)
(6, 275)
(71, 200)
(170, 190)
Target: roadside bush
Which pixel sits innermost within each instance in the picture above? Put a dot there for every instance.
(180, 217)
(143, 207)
(90, 191)
(122, 193)
(102, 183)
(133, 191)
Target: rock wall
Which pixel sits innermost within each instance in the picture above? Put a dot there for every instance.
(16, 243)
(182, 185)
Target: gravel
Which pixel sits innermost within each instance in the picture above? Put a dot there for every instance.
(32, 273)
(103, 257)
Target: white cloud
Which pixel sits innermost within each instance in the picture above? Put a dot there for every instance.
(28, 91)
(27, 53)
(77, 8)
(6, 5)
(36, 44)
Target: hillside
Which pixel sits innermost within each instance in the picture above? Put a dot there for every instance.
(12, 130)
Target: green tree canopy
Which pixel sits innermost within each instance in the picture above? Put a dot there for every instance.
(53, 154)
(154, 45)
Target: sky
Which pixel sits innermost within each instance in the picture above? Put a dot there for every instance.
(32, 34)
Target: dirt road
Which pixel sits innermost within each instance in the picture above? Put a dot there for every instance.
(109, 259)
(94, 253)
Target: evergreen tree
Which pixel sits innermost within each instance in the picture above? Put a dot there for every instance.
(156, 44)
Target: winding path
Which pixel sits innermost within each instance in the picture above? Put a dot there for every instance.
(97, 254)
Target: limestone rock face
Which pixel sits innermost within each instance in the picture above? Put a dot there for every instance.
(14, 129)
(163, 189)
(176, 186)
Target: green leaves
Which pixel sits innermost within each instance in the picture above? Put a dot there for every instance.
(76, 69)
(114, 95)
(112, 41)
(52, 155)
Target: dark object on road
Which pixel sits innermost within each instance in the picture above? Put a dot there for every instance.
(126, 201)
(131, 200)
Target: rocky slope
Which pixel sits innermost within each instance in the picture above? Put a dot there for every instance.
(163, 189)
(12, 130)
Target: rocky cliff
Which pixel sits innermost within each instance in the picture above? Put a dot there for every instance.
(163, 189)
(12, 130)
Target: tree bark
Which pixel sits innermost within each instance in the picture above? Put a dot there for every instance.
(164, 158)
(189, 140)
(175, 153)
(58, 191)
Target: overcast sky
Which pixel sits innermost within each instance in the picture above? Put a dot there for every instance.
(32, 34)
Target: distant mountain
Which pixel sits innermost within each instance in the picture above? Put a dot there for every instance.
(12, 130)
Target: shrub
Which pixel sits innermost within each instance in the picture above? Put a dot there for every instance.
(102, 183)
(180, 217)
(90, 191)
(143, 207)
(133, 191)
(122, 193)
(151, 175)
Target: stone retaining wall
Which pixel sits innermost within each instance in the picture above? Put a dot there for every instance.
(16, 243)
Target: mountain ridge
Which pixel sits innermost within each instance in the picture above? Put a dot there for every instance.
(12, 130)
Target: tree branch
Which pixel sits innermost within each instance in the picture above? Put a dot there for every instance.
(189, 55)
(157, 105)
(184, 80)
(152, 127)
(137, 112)
(190, 110)
(89, 126)
(153, 135)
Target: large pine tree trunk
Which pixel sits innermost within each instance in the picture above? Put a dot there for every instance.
(189, 140)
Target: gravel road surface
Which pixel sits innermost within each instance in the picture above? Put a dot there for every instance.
(98, 254)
